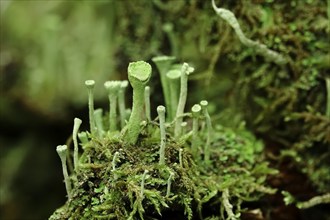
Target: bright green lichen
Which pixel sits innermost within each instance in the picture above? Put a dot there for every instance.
(185, 71)
(90, 87)
(164, 64)
(139, 74)
(62, 153)
(113, 88)
(161, 116)
(77, 123)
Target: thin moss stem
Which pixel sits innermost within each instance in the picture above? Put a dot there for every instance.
(169, 182)
(144, 176)
(227, 205)
(114, 162)
(322, 199)
(76, 126)
(180, 157)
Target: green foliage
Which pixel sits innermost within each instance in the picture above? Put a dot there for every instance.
(288, 105)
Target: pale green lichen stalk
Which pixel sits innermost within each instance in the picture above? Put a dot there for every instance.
(196, 109)
(185, 71)
(83, 137)
(258, 47)
(90, 87)
(98, 117)
(139, 74)
(62, 152)
(209, 128)
(147, 102)
(173, 77)
(168, 29)
(76, 126)
(161, 115)
(121, 102)
(113, 88)
(184, 125)
(163, 64)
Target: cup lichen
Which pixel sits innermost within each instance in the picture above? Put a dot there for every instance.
(139, 74)
(136, 176)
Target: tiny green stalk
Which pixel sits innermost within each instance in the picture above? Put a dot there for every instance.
(168, 29)
(76, 126)
(144, 176)
(62, 152)
(161, 114)
(169, 182)
(139, 74)
(185, 71)
(180, 157)
(121, 102)
(114, 162)
(195, 113)
(184, 128)
(164, 64)
(207, 117)
(173, 77)
(113, 88)
(98, 113)
(147, 102)
(83, 137)
(90, 87)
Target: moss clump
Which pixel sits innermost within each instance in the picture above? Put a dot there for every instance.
(121, 180)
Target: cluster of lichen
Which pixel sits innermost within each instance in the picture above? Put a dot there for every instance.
(150, 167)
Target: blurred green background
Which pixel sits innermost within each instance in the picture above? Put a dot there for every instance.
(49, 48)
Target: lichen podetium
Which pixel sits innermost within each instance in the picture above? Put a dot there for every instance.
(139, 175)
